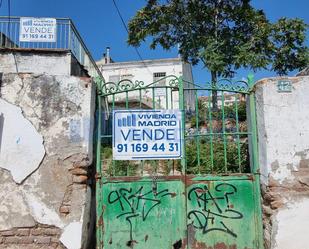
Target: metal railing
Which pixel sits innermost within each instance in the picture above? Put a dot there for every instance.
(217, 131)
(67, 38)
(217, 135)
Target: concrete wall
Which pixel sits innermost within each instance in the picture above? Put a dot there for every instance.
(46, 129)
(283, 128)
(40, 62)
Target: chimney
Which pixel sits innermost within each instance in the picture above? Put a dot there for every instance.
(108, 58)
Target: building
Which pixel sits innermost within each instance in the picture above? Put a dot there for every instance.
(229, 100)
(148, 71)
(46, 121)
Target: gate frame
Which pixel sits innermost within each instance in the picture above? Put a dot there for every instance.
(179, 83)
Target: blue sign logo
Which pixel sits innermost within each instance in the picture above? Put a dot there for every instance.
(130, 120)
(27, 23)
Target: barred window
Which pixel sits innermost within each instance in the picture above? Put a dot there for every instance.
(158, 76)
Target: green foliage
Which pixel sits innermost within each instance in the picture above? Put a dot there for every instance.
(225, 35)
(242, 112)
(218, 157)
(290, 52)
(229, 112)
(129, 168)
(116, 168)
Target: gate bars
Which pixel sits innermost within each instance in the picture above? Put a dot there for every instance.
(219, 130)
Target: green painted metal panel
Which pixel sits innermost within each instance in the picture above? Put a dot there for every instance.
(221, 214)
(218, 207)
(144, 214)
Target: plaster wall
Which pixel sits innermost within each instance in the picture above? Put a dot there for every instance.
(38, 63)
(52, 62)
(283, 138)
(45, 159)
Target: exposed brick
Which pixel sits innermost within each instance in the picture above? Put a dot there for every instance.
(78, 171)
(37, 231)
(12, 240)
(276, 204)
(64, 209)
(51, 231)
(42, 240)
(272, 182)
(26, 240)
(54, 244)
(80, 163)
(23, 232)
(54, 240)
(45, 231)
(80, 179)
(8, 233)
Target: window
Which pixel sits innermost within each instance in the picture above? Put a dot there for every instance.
(158, 76)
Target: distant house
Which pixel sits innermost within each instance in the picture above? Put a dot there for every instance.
(148, 71)
(229, 100)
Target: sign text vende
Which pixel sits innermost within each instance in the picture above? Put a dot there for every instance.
(146, 134)
(37, 29)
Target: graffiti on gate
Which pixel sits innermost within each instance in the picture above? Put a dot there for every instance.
(213, 208)
(137, 204)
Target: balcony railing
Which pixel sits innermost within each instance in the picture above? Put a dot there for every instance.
(67, 38)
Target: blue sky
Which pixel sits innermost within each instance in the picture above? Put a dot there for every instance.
(100, 25)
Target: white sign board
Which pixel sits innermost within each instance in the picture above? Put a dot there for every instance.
(146, 134)
(37, 29)
(160, 92)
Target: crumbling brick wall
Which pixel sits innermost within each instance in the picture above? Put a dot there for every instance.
(283, 136)
(39, 236)
(45, 161)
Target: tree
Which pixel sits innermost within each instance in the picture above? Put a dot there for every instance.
(224, 34)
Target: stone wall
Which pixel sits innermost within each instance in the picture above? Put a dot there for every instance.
(283, 129)
(45, 160)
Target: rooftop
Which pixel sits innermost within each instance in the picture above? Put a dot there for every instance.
(141, 62)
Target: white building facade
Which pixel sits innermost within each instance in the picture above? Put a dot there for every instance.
(149, 71)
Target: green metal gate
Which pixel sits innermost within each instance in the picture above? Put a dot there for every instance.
(208, 199)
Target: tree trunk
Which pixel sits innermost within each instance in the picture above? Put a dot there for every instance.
(214, 99)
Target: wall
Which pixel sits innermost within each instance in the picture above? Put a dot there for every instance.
(283, 128)
(45, 156)
(53, 62)
(140, 72)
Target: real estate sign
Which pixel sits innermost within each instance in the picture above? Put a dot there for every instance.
(146, 134)
(37, 29)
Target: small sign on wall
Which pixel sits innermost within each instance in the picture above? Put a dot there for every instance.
(37, 29)
(284, 86)
(146, 134)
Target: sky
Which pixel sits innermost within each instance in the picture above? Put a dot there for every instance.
(100, 26)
